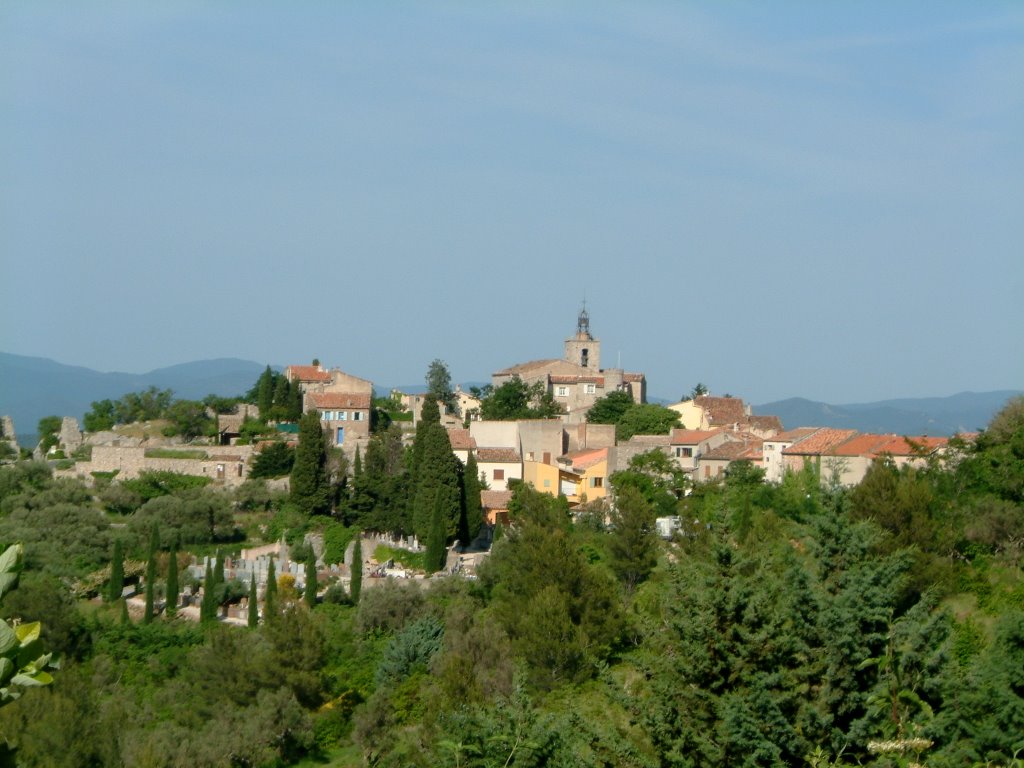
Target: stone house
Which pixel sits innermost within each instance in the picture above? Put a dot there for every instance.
(687, 446)
(576, 381)
(740, 447)
(774, 465)
(498, 466)
(848, 462)
(583, 475)
(344, 416)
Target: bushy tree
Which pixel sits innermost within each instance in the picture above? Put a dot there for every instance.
(515, 399)
(439, 384)
(633, 544)
(275, 460)
(610, 408)
(646, 419)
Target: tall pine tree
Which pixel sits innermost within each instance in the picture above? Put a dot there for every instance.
(270, 595)
(254, 609)
(436, 554)
(310, 490)
(172, 581)
(472, 513)
(309, 594)
(356, 582)
(436, 474)
(208, 607)
(154, 544)
(116, 572)
(265, 392)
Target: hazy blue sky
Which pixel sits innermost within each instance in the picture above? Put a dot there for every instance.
(777, 199)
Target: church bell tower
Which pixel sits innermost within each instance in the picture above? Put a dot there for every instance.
(583, 349)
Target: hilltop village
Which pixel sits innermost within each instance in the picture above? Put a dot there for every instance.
(547, 570)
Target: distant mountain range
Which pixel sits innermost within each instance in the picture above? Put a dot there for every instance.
(935, 416)
(34, 387)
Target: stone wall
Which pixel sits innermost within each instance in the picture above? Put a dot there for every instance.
(225, 465)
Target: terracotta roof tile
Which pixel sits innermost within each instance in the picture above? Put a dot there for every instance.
(577, 380)
(735, 450)
(898, 445)
(461, 440)
(498, 455)
(822, 441)
(765, 423)
(692, 436)
(792, 435)
(588, 458)
(722, 410)
(633, 377)
(308, 373)
(495, 499)
(338, 400)
(527, 366)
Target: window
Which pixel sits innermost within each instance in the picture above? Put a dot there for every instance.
(590, 389)
(561, 391)
(342, 415)
(325, 415)
(547, 483)
(499, 474)
(357, 416)
(684, 452)
(597, 482)
(529, 455)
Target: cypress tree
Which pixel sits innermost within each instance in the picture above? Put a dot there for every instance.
(218, 568)
(472, 516)
(310, 592)
(270, 596)
(436, 470)
(294, 401)
(208, 608)
(356, 582)
(310, 490)
(254, 610)
(436, 554)
(281, 396)
(124, 612)
(357, 466)
(172, 581)
(154, 543)
(265, 392)
(116, 572)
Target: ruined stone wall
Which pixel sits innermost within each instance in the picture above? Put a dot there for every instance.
(228, 466)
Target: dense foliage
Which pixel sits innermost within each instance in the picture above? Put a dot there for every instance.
(790, 624)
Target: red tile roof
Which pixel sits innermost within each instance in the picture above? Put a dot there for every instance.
(792, 435)
(735, 450)
(722, 410)
(577, 380)
(898, 445)
(820, 442)
(461, 440)
(692, 436)
(323, 400)
(307, 373)
(588, 458)
(765, 423)
(498, 455)
(633, 377)
(495, 499)
(524, 367)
